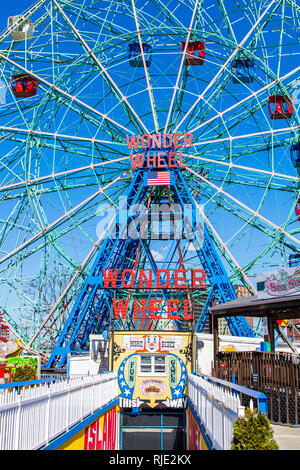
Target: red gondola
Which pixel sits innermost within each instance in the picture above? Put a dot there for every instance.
(297, 209)
(280, 107)
(195, 52)
(4, 331)
(24, 86)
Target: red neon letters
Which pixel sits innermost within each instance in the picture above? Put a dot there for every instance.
(148, 279)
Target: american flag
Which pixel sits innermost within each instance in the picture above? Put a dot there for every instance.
(158, 178)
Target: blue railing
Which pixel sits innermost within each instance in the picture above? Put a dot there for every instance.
(26, 383)
(262, 399)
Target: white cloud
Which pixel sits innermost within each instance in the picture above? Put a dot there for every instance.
(157, 255)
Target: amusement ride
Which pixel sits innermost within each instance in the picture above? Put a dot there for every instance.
(101, 99)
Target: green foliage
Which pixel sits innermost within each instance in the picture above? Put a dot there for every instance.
(253, 432)
(24, 372)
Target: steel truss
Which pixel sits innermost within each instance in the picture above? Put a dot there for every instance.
(92, 312)
(63, 151)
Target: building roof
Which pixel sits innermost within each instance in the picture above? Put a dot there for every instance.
(285, 307)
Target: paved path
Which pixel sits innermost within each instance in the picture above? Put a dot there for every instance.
(287, 437)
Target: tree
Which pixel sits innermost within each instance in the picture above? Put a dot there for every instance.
(253, 432)
(23, 373)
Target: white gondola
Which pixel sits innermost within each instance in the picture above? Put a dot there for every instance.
(3, 90)
(23, 31)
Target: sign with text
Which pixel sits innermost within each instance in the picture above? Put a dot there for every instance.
(152, 367)
(101, 434)
(285, 281)
(159, 280)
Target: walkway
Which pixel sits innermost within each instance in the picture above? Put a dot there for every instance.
(287, 437)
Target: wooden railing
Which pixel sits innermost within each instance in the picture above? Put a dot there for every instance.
(275, 374)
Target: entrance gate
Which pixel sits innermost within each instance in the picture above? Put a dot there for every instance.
(153, 430)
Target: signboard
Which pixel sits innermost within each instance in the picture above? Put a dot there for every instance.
(101, 434)
(285, 281)
(152, 367)
(194, 435)
(152, 343)
(160, 279)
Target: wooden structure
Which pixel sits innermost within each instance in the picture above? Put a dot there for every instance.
(276, 374)
(280, 308)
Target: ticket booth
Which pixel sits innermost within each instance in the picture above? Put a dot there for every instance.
(152, 368)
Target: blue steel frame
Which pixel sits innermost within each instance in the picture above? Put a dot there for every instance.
(91, 310)
(262, 399)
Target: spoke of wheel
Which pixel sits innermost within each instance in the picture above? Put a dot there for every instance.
(62, 217)
(224, 246)
(53, 176)
(149, 88)
(181, 66)
(241, 167)
(252, 95)
(64, 93)
(103, 70)
(75, 276)
(254, 213)
(223, 66)
(231, 138)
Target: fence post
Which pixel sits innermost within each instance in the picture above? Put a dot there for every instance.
(296, 407)
(223, 426)
(212, 420)
(93, 391)
(81, 400)
(68, 407)
(287, 418)
(47, 419)
(263, 405)
(101, 392)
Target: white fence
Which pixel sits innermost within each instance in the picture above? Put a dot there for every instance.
(41, 413)
(216, 408)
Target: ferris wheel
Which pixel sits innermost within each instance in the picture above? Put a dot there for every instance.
(78, 77)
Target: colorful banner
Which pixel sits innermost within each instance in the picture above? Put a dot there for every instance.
(278, 283)
(195, 440)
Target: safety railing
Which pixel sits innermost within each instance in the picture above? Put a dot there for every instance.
(25, 383)
(35, 416)
(218, 405)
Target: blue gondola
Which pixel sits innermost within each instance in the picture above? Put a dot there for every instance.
(294, 260)
(135, 54)
(295, 155)
(242, 70)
